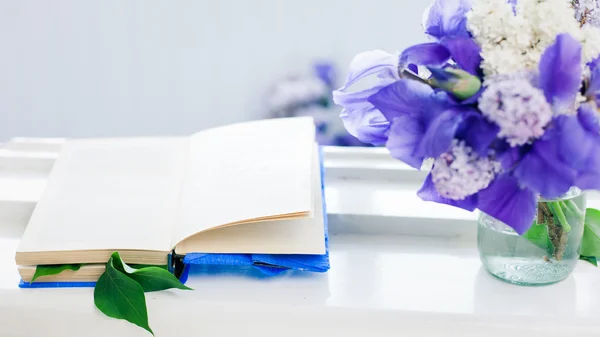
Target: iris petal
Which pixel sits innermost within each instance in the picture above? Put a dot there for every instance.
(542, 169)
(576, 142)
(405, 97)
(560, 72)
(429, 193)
(414, 68)
(369, 72)
(423, 122)
(367, 124)
(426, 54)
(447, 18)
(376, 62)
(477, 132)
(439, 134)
(465, 52)
(568, 155)
(508, 157)
(405, 135)
(588, 117)
(506, 201)
(583, 146)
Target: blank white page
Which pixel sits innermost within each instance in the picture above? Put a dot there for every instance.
(290, 236)
(109, 194)
(246, 171)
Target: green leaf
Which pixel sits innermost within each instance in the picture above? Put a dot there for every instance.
(140, 266)
(46, 270)
(590, 244)
(538, 235)
(120, 297)
(150, 278)
(590, 259)
(156, 279)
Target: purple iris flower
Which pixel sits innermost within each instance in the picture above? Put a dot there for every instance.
(369, 73)
(444, 18)
(425, 121)
(567, 155)
(560, 73)
(581, 146)
(421, 126)
(372, 71)
(560, 79)
(476, 164)
(446, 22)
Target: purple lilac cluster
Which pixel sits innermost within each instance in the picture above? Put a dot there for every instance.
(460, 172)
(518, 108)
(498, 142)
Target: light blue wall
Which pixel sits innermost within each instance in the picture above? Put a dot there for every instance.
(73, 68)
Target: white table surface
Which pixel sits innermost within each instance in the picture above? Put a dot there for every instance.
(400, 267)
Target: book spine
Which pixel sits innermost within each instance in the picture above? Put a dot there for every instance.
(176, 265)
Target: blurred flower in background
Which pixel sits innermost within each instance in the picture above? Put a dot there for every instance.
(296, 96)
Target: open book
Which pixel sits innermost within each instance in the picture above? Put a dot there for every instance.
(248, 188)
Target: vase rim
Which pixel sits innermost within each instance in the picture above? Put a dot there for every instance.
(572, 193)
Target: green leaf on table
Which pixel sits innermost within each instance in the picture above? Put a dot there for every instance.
(46, 270)
(140, 266)
(590, 244)
(590, 259)
(120, 297)
(156, 279)
(150, 278)
(538, 235)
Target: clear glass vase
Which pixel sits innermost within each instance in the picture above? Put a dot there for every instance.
(546, 254)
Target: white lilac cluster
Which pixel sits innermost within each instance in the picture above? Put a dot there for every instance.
(590, 40)
(518, 108)
(460, 172)
(514, 39)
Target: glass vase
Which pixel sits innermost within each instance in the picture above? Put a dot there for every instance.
(545, 254)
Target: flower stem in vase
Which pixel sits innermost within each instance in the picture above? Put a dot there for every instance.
(558, 227)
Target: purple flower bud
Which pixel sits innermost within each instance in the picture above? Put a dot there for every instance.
(518, 108)
(460, 172)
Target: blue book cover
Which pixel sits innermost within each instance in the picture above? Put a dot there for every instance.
(267, 264)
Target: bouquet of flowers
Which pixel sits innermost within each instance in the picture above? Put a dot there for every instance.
(296, 96)
(504, 98)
